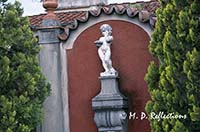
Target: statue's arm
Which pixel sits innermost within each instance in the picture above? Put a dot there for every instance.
(98, 43)
(109, 39)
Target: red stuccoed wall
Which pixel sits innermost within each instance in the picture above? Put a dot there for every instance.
(130, 58)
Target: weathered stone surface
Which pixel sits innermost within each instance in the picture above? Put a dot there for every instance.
(49, 31)
(110, 106)
(56, 112)
(49, 62)
(64, 4)
(109, 120)
(53, 64)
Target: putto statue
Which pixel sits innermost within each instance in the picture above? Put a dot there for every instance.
(104, 50)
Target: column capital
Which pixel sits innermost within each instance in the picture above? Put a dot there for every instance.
(50, 28)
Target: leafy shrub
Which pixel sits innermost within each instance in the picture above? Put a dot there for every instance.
(23, 88)
(174, 84)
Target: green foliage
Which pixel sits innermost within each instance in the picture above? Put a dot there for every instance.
(23, 88)
(174, 83)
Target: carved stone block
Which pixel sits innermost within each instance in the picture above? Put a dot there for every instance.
(49, 31)
(110, 107)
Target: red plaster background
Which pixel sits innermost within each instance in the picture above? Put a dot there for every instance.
(130, 58)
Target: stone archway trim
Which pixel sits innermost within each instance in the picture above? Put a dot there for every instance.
(74, 34)
(145, 12)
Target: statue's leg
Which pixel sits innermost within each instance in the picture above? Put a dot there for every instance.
(109, 63)
(108, 60)
(105, 66)
(102, 57)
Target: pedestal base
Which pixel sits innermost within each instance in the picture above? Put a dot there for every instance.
(110, 107)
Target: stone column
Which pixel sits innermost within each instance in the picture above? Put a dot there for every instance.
(52, 62)
(110, 106)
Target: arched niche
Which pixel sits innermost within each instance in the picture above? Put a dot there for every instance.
(103, 17)
(130, 57)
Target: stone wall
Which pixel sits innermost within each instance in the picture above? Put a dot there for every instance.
(67, 4)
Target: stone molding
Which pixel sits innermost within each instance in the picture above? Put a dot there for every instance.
(70, 21)
(145, 15)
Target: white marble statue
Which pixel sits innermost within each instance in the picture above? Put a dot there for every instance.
(104, 50)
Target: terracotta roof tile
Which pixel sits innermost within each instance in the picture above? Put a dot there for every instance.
(36, 19)
(64, 17)
(152, 6)
(70, 20)
(68, 17)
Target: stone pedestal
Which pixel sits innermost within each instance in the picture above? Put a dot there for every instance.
(110, 106)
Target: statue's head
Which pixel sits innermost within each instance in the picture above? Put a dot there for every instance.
(106, 27)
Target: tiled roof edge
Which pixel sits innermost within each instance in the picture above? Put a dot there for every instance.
(145, 14)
